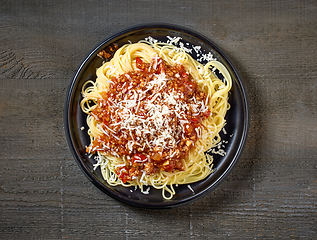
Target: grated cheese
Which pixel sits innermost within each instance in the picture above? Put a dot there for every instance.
(190, 188)
(147, 191)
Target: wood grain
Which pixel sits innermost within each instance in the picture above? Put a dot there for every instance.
(272, 193)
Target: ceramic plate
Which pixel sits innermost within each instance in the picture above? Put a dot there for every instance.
(235, 133)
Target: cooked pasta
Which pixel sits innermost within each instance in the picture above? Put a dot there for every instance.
(152, 112)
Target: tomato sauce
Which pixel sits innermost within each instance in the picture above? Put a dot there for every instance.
(141, 126)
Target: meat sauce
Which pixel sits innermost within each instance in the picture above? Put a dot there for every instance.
(141, 126)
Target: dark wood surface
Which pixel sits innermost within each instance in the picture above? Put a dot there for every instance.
(271, 194)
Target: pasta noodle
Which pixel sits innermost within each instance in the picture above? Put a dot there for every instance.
(197, 165)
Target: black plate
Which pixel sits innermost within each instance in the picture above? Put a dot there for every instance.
(237, 118)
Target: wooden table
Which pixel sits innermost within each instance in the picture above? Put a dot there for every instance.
(272, 192)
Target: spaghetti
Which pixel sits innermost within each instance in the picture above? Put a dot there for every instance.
(153, 112)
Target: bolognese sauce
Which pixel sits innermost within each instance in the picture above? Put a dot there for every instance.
(151, 117)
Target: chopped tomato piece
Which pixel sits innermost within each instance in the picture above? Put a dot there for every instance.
(207, 113)
(138, 157)
(194, 120)
(123, 174)
(139, 63)
(161, 68)
(184, 75)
